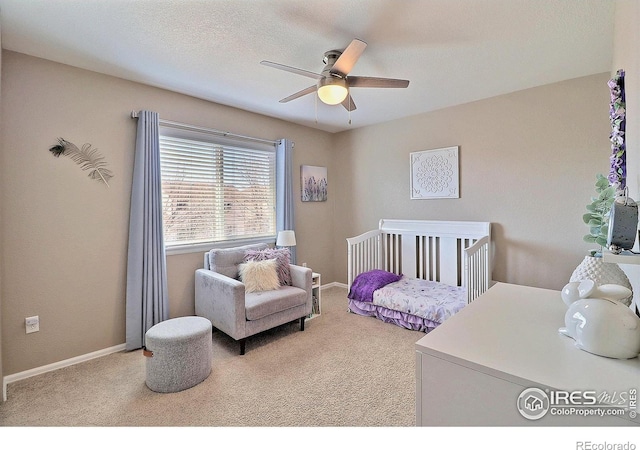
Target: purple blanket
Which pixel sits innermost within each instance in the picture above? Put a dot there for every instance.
(367, 282)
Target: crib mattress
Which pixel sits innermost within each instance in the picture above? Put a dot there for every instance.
(423, 298)
(413, 303)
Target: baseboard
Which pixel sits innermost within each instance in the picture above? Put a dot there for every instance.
(55, 366)
(333, 284)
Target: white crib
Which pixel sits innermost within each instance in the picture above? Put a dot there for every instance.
(457, 253)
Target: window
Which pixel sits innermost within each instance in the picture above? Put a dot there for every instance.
(215, 189)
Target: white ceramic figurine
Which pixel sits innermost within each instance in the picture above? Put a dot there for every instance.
(603, 327)
(577, 290)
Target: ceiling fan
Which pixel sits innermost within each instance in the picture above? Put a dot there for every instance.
(334, 83)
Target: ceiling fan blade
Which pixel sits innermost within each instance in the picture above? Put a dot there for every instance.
(375, 82)
(295, 70)
(299, 94)
(349, 57)
(348, 103)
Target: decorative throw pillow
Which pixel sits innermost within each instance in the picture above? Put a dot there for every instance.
(366, 283)
(281, 255)
(259, 276)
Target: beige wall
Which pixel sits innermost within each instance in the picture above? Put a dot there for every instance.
(528, 162)
(64, 240)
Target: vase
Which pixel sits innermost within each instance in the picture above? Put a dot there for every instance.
(594, 268)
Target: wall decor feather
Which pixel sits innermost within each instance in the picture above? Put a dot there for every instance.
(87, 158)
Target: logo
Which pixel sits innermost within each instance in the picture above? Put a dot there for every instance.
(533, 403)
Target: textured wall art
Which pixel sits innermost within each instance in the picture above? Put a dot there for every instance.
(313, 183)
(87, 158)
(434, 174)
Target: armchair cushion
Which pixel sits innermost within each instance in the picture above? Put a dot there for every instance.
(259, 276)
(263, 304)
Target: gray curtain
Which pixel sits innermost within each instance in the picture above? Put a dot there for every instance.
(147, 301)
(284, 189)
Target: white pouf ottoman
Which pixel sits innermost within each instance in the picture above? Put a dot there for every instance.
(178, 353)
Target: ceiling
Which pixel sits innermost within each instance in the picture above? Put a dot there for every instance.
(452, 51)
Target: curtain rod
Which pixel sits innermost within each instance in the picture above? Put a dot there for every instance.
(184, 126)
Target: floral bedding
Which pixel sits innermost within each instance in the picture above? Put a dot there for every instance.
(407, 302)
(429, 300)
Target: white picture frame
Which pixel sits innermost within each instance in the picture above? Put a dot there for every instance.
(435, 173)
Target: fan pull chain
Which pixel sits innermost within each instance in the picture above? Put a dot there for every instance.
(315, 103)
(349, 109)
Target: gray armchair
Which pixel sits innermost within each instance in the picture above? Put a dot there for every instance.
(221, 297)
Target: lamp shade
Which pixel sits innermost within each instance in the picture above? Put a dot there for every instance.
(332, 90)
(286, 238)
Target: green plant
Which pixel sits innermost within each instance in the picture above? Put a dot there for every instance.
(597, 217)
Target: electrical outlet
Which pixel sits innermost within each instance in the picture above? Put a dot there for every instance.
(304, 264)
(32, 324)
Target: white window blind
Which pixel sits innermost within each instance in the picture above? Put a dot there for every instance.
(214, 191)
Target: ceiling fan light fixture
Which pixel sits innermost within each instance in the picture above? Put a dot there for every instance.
(334, 84)
(332, 90)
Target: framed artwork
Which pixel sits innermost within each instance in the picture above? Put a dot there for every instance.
(434, 174)
(313, 183)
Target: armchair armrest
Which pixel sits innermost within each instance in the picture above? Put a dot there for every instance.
(221, 300)
(301, 277)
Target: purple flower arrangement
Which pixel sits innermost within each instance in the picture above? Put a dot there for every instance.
(618, 173)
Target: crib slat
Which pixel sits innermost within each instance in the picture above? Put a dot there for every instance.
(408, 256)
(478, 265)
(448, 253)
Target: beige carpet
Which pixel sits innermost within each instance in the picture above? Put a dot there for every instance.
(344, 370)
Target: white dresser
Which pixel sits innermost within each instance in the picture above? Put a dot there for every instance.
(473, 368)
